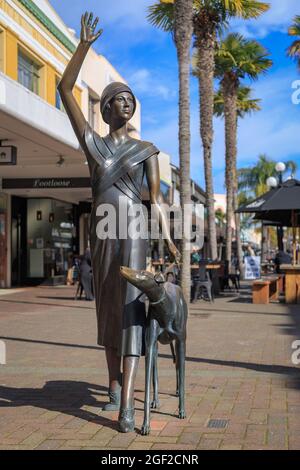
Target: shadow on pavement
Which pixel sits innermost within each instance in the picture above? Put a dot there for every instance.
(266, 368)
(37, 341)
(63, 396)
(70, 299)
(47, 304)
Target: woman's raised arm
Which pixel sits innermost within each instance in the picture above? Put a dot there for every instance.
(66, 85)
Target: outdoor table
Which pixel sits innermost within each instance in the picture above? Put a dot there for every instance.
(292, 283)
(208, 266)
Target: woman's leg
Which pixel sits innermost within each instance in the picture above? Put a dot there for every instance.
(114, 393)
(114, 368)
(126, 415)
(130, 367)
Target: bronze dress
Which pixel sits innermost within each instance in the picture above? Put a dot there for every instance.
(117, 171)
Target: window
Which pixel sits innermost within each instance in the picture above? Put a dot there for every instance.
(28, 73)
(58, 101)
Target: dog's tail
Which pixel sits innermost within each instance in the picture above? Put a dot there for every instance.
(173, 352)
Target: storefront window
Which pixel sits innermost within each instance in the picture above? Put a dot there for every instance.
(50, 236)
(3, 239)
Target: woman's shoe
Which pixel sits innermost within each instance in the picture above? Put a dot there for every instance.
(126, 420)
(114, 401)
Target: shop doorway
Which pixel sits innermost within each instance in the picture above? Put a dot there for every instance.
(18, 240)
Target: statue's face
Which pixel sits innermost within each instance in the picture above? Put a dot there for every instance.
(122, 106)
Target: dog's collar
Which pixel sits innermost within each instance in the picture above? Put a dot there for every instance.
(159, 301)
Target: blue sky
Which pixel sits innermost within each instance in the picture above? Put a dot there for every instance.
(146, 57)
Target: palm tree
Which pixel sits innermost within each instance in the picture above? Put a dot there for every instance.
(236, 58)
(294, 50)
(179, 20)
(209, 17)
(253, 180)
(244, 105)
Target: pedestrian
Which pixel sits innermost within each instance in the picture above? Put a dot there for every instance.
(86, 275)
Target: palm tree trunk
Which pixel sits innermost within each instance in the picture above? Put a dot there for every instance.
(230, 89)
(206, 44)
(237, 218)
(183, 36)
(238, 229)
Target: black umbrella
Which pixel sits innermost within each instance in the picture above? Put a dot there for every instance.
(280, 205)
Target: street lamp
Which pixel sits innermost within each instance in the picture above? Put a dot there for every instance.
(280, 168)
(272, 182)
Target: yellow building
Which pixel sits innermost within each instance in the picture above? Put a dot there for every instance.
(44, 197)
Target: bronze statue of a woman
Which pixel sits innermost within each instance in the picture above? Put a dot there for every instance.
(117, 164)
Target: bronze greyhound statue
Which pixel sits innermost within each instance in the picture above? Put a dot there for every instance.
(166, 322)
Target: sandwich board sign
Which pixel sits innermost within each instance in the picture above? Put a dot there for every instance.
(252, 268)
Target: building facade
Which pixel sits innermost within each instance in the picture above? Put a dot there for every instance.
(45, 193)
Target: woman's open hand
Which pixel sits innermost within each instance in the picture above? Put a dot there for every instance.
(88, 27)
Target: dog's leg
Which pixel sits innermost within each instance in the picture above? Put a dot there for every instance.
(180, 369)
(150, 343)
(155, 402)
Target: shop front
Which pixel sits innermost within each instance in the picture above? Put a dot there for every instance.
(43, 240)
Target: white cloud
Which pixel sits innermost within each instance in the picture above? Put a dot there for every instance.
(274, 130)
(127, 14)
(149, 84)
(278, 18)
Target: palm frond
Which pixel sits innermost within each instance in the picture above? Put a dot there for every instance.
(291, 166)
(161, 15)
(241, 57)
(245, 104)
(246, 8)
(293, 50)
(294, 30)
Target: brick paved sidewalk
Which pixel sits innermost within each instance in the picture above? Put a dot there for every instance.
(239, 369)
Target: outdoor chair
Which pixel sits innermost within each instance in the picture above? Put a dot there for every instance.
(234, 278)
(202, 280)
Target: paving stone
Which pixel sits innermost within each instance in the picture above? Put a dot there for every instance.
(209, 444)
(50, 445)
(234, 370)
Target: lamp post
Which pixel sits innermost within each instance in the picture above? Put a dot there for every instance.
(273, 182)
(280, 168)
